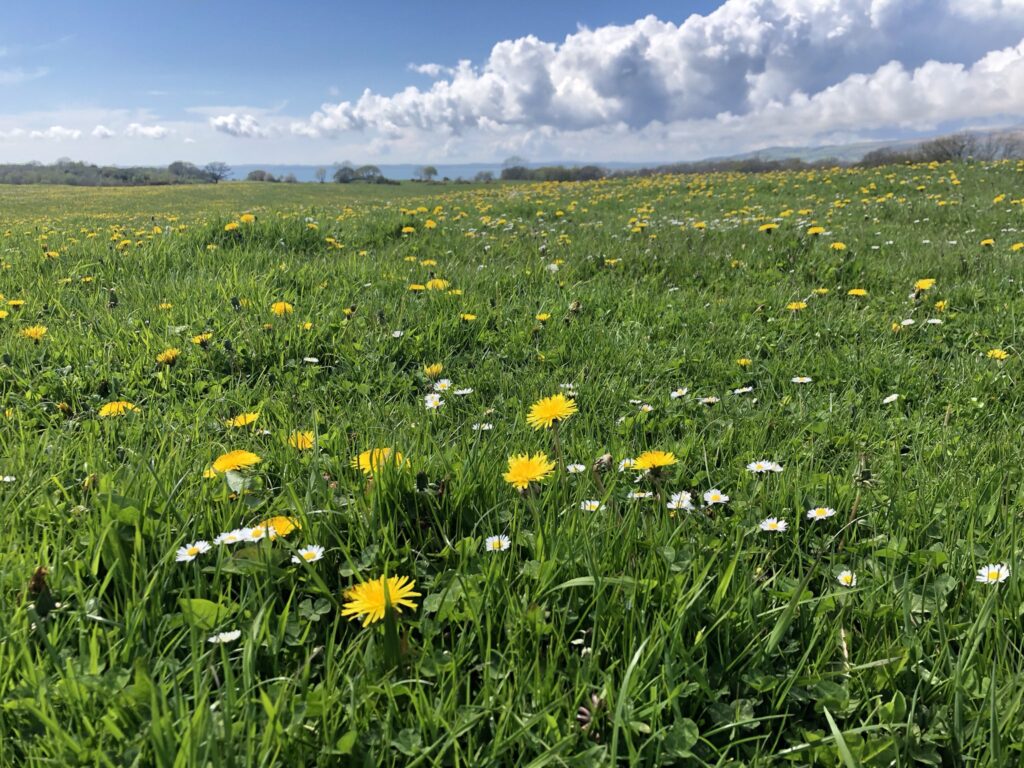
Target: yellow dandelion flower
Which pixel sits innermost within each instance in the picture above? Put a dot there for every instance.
(837, 246)
(369, 461)
(856, 292)
(524, 469)
(281, 308)
(242, 420)
(234, 460)
(544, 413)
(202, 339)
(279, 526)
(116, 408)
(301, 441)
(653, 460)
(997, 354)
(34, 332)
(169, 356)
(371, 599)
(796, 306)
(924, 284)
(247, 218)
(437, 284)
(433, 370)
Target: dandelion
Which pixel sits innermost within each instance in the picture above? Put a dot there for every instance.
(169, 356)
(33, 332)
(542, 317)
(847, 578)
(997, 354)
(371, 599)
(924, 284)
(524, 470)
(433, 370)
(744, 362)
(309, 554)
(988, 242)
(279, 525)
(812, 231)
(763, 466)
(768, 228)
(432, 401)
(715, 496)
(116, 408)
(796, 306)
(680, 500)
(498, 543)
(190, 552)
(547, 412)
(234, 461)
(653, 461)
(242, 419)
(247, 218)
(202, 339)
(467, 317)
(857, 292)
(301, 441)
(993, 573)
(820, 513)
(225, 637)
(281, 308)
(773, 525)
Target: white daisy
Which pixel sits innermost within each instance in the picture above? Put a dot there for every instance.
(908, 322)
(432, 401)
(309, 554)
(715, 496)
(680, 500)
(801, 380)
(760, 467)
(847, 578)
(890, 399)
(933, 321)
(626, 464)
(397, 334)
(575, 469)
(225, 637)
(190, 552)
(230, 537)
(484, 426)
(820, 513)
(442, 385)
(253, 534)
(645, 408)
(591, 505)
(773, 525)
(639, 495)
(675, 394)
(742, 390)
(311, 360)
(463, 392)
(498, 543)
(709, 400)
(993, 573)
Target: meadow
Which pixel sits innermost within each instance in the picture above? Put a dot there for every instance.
(715, 470)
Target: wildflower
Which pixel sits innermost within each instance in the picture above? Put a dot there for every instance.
(463, 392)
(940, 306)
(254, 534)
(309, 554)
(231, 226)
(433, 370)
(234, 461)
(821, 291)
(907, 323)
(190, 552)
(524, 469)
(760, 467)
(744, 362)
(680, 500)
(542, 317)
(432, 401)
(709, 400)
(575, 469)
(773, 525)
(397, 334)
(890, 399)
(485, 426)
(820, 513)
(116, 408)
(591, 505)
(497, 543)
(847, 578)
(796, 306)
(169, 356)
(812, 231)
(768, 228)
(281, 308)
(369, 461)
(801, 380)
(993, 573)
(626, 464)
(442, 385)
(230, 537)
(988, 242)
(997, 354)
(837, 246)
(247, 218)
(924, 284)
(550, 410)
(242, 420)
(715, 496)
(743, 390)
(371, 599)
(225, 637)
(652, 461)
(202, 339)
(857, 292)
(675, 394)
(639, 495)
(34, 332)
(301, 441)
(467, 317)
(436, 284)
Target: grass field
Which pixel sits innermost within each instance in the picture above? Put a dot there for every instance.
(838, 352)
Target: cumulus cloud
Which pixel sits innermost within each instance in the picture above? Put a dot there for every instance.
(850, 64)
(242, 126)
(140, 131)
(56, 133)
(101, 132)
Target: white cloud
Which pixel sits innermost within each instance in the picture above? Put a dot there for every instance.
(745, 60)
(18, 75)
(241, 126)
(140, 131)
(56, 133)
(101, 132)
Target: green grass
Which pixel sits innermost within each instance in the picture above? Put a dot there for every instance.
(689, 637)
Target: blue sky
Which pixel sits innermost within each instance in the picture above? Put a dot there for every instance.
(146, 82)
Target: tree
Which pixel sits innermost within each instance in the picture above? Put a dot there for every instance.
(368, 173)
(514, 161)
(345, 174)
(320, 174)
(217, 171)
(484, 177)
(259, 175)
(427, 172)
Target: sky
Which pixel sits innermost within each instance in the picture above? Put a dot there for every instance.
(410, 82)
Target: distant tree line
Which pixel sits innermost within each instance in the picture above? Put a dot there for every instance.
(87, 175)
(957, 147)
(258, 175)
(347, 173)
(553, 173)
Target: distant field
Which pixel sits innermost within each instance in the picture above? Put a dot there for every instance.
(772, 516)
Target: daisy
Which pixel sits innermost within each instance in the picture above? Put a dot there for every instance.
(847, 578)
(890, 399)
(576, 469)
(591, 505)
(680, 500)
(432, 401)
(442, 385)
(801, 380)
(675, 394)
(645, 408)
(742, 390)
(230, 537)
(715, 496)
(253, 534)
(397, 334)
(225, 637)
(933, 321)
(498, 543)
(993, 573)
(907, 323)
(483, 427)
(639, 495)
(463, 392)
(820, 513)
(626, 464)
(760, 467)
(709, 400)
(309, 554)
(190, 552)
(773, 525)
